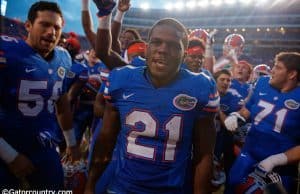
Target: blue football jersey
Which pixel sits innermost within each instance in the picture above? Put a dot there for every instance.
(78, 72)
(94, 82)
(155, 141)
(184, 66)
(29, 87)
(230, 103)
(275, 120)
(138, 61)
(239, 89)
(104, 73)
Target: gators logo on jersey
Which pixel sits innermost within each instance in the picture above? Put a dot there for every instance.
(291, 104)
(184, 102)
(61, 72)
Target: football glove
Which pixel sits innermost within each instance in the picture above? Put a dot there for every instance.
(105, 7)
(231, 122)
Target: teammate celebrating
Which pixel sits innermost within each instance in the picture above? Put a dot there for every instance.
(155, 136)
(273, 142)
(32, 75)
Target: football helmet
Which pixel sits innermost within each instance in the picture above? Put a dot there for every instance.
(234, 42)
(199, 33)
(256, 182)
(261, 70)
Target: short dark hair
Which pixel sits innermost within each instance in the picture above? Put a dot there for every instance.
(42, 6)
(222, 71)
(134, 33)
(173, 23)
(291, 61)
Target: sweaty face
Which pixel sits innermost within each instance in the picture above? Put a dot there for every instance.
(223, 83)
(194, 62)
(165, 52)
(44, 33)
(241, 72)
(279, 75)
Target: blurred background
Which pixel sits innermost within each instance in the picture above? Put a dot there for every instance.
(269, 26)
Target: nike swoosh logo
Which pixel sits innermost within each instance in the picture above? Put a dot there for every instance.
(29, 70)
(110, 191)
(125, 97)
(243, 155)
(262, 94)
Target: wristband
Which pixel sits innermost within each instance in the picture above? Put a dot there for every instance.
(70, 137)
(104, 22)
(85, 5)
(119, 16)
(273, 161)
(7, 152)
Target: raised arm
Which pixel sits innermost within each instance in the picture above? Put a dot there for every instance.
(209, 58)
(87, 23)
(104, 40)
(123, 6)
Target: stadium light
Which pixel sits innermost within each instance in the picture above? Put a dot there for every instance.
(145, 6)
(179, 5)
(216, 2)
(191, 4)
(168, 6)
(230, 2)
(261, 2)
(246, 2)
(203, 3)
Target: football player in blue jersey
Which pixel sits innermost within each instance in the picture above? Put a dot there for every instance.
(273, 142)
(241, 73)
(194, 55)
(32, 75)
(224, 143)
(159, 122)
(136, 52)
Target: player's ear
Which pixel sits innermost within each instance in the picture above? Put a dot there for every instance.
(293, 75)
(28, 25)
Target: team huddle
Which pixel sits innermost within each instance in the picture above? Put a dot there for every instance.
(164, 116)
